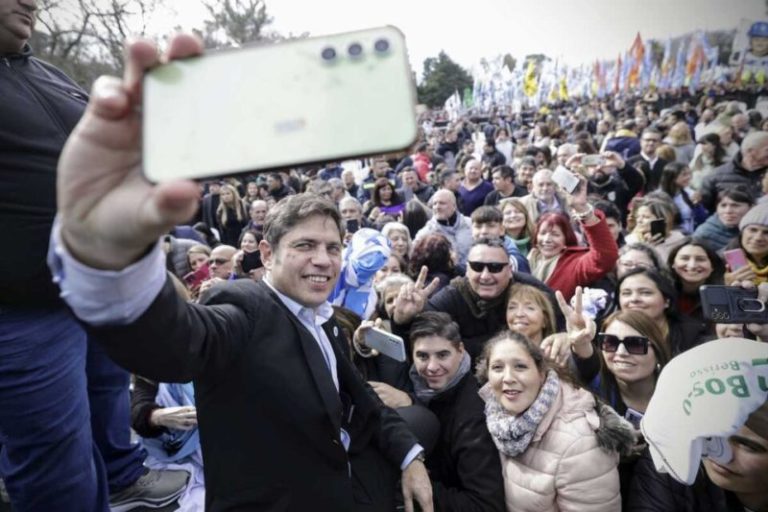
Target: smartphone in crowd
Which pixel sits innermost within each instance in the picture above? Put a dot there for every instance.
(279, 105)
(353, 225)
(658, 228)
(736, 259)
(565, 179)
(195, 278)
(592, 160)
(732, 305)
(386, 343)
(251, 261)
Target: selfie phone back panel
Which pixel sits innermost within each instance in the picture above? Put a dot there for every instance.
(279, 105)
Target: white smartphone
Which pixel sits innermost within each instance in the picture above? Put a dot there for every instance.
(278, 105)
(565, 179)
(386, 343)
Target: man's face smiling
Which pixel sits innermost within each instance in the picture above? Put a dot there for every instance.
(306, 263)
(485, 283)
(17, 19)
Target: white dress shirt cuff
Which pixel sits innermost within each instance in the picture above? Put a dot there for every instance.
(417, 449)
(106, 297)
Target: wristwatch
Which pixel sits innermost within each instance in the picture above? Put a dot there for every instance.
(421, 457)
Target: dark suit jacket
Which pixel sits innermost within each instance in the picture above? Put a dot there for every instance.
(268, 411)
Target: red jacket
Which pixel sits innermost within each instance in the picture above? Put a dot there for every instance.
(581, 266)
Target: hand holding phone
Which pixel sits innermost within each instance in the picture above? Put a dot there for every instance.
(658, 229)
(732, 305)
(386, 343)
(565, 179)
(592, 160)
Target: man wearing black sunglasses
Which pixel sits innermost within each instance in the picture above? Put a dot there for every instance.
(477, 302)
(220, 261)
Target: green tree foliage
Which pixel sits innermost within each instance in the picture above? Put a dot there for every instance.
(235, 23)
(85, 38)
(441, 78)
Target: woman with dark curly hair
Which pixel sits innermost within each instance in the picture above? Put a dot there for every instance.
(384, 200)
(435, 252)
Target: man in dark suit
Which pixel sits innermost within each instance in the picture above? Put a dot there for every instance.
(285, 421)
(653, 165)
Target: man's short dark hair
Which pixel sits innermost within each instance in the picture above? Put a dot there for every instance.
(533, 151)
(737, 193)
(445, 176)
(505, 171)
(435, 323)
(276, 176)
(487, 215)
(293, 210)
(652, 131)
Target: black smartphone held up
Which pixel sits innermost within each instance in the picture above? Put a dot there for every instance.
(251, 261)
(353, 225)
(658, 227)
(732, 305)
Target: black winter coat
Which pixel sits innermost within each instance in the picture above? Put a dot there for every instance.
(464, 466)
(475, 331)
(729, 175)
(39, 108)
(658, 492)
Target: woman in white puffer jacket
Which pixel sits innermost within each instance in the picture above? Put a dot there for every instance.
(558, 447)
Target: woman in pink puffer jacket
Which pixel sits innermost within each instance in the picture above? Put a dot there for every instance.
(559, 448)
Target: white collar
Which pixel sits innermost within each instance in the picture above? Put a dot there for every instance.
(323, 312)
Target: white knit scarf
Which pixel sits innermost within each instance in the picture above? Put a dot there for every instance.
(513, 434)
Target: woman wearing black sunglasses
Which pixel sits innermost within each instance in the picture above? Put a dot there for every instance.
(632, 353)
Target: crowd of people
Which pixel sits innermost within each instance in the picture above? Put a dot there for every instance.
(536, 315)
(530, 314)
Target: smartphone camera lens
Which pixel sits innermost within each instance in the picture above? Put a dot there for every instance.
(328, 53)
(381, 45)
(355, 50)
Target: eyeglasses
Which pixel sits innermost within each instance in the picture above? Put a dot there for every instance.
(218, 261)
(633, 264)
(493, 267)
(637, 345)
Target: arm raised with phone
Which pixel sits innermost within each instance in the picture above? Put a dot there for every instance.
(110, 217)
(109, 214)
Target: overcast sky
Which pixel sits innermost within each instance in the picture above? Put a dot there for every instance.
(574, 30)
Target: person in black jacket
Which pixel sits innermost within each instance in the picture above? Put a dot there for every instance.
(738, 486)
(64, 420)
(477, 302)
(747, 169)
(464, 465)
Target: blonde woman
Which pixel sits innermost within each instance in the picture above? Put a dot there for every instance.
(231, 217)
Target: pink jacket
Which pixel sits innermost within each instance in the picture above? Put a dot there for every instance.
(563, 468)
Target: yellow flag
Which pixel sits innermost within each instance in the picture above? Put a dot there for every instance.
(530, 83)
